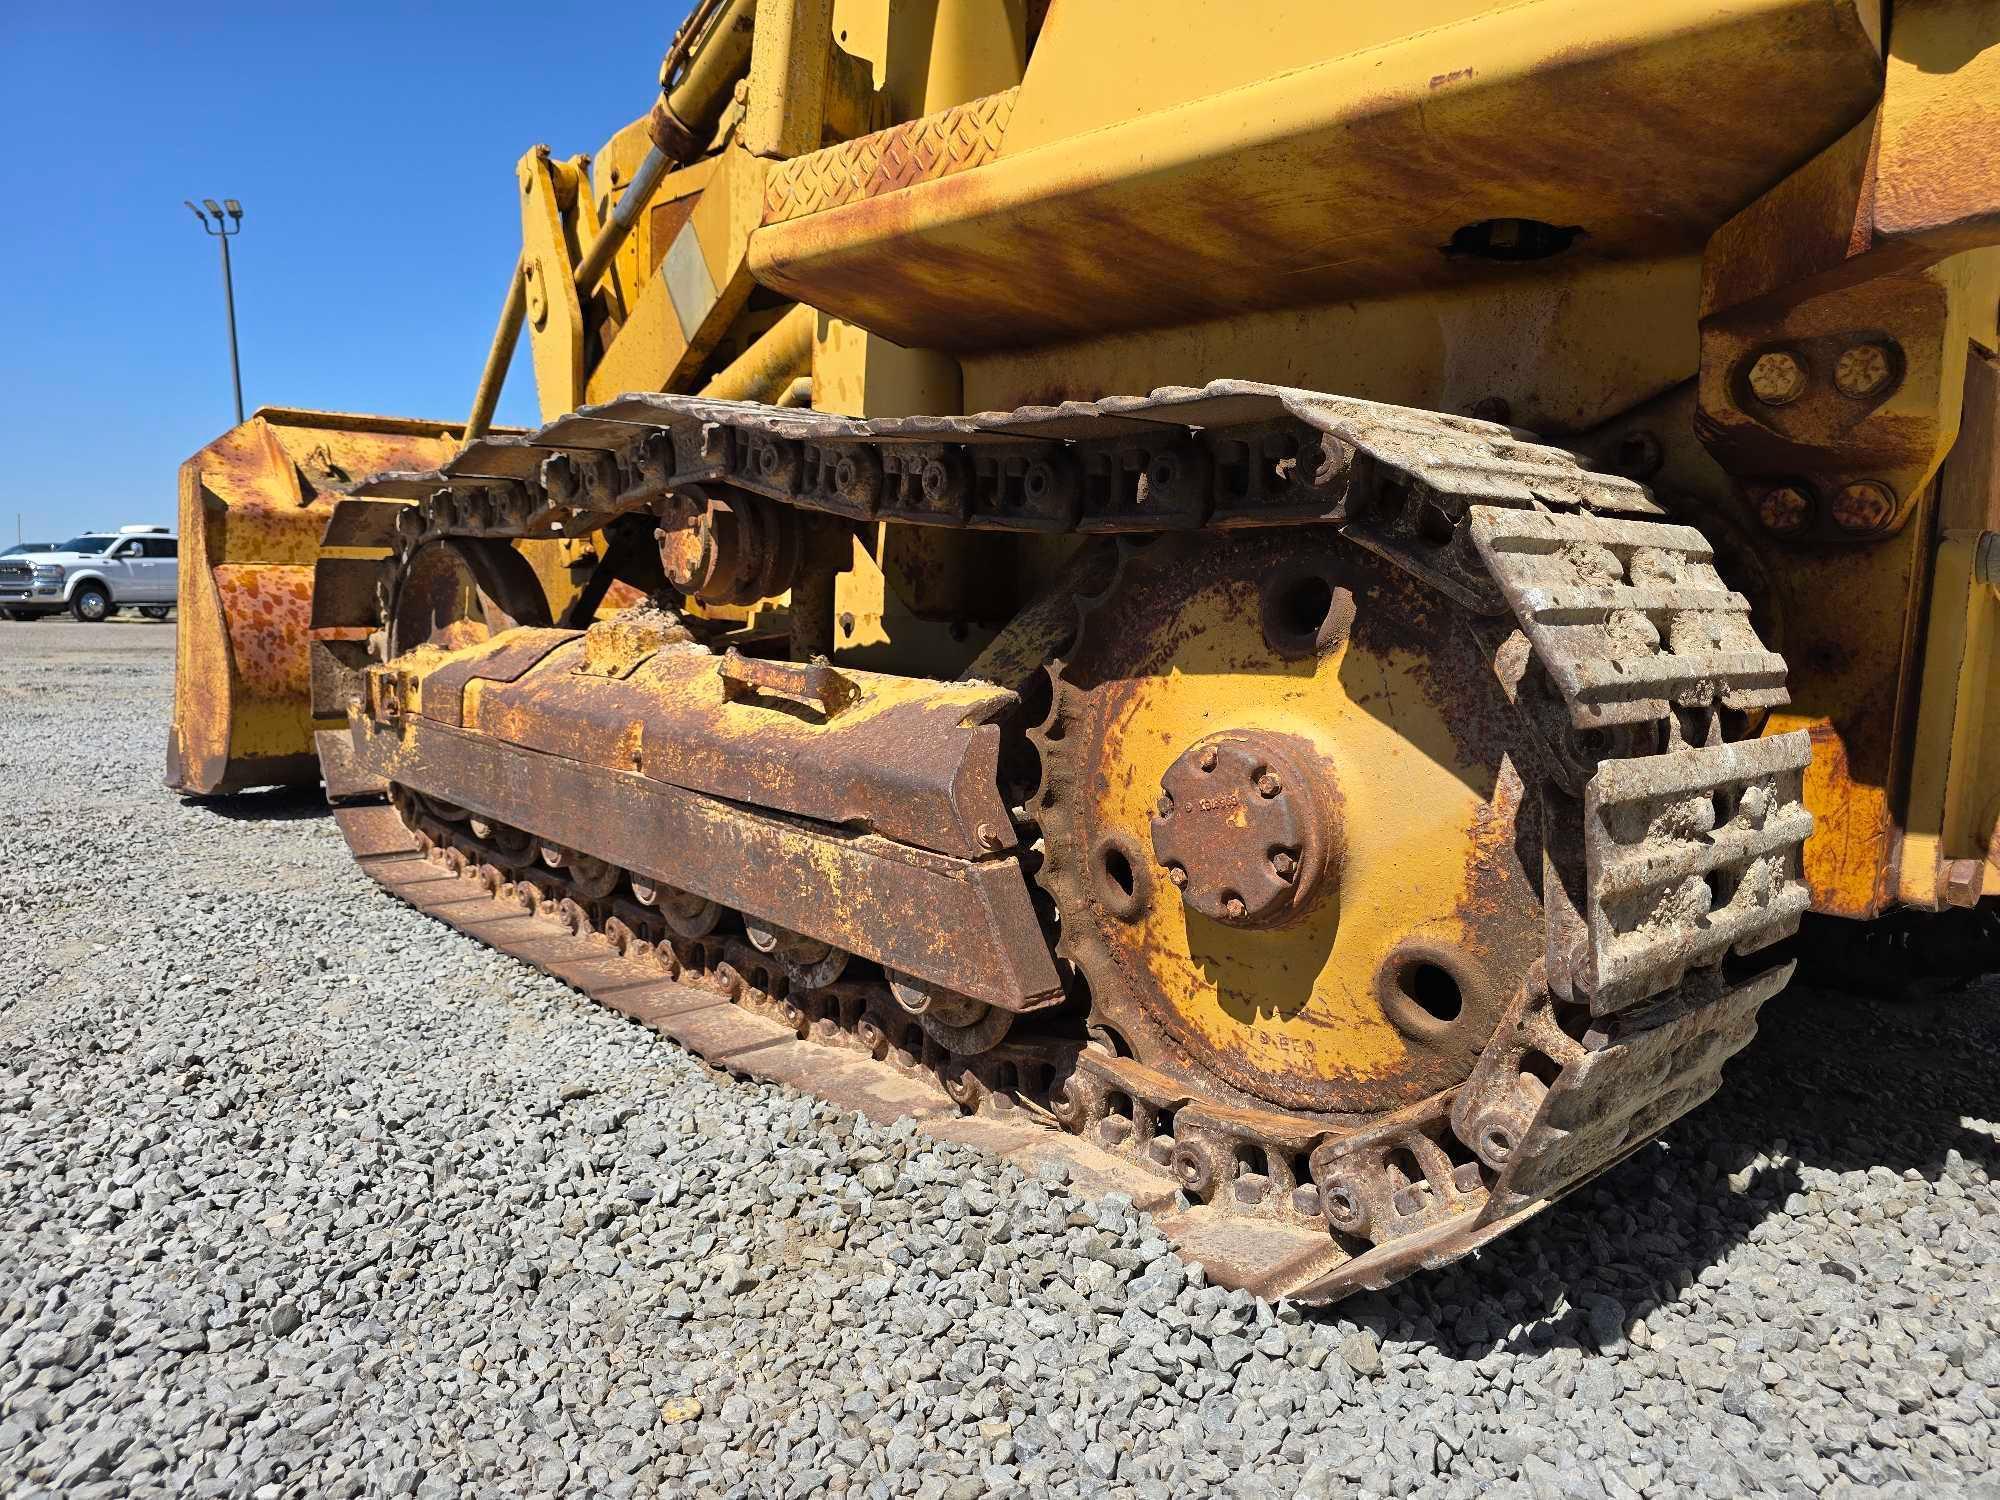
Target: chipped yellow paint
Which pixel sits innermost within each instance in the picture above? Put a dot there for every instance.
(1365, 138)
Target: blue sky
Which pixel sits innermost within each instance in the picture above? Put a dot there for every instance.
(372, 147)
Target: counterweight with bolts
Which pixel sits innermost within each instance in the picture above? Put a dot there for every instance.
(1295, 624)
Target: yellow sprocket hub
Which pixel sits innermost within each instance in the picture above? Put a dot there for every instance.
(1282, 819)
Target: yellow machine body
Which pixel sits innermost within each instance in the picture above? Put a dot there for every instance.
(1588, 220)
(1355, 780)
(1323, 196)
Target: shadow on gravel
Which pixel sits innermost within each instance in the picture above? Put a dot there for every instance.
(1562, 1280)
(278, 804)
(1848, 1082)
(1834, 1082)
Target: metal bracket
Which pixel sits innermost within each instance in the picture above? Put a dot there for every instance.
(814, 684)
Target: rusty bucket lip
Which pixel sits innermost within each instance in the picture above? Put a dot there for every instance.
(326, 419)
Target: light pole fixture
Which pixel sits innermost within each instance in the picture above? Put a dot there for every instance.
(227, 222)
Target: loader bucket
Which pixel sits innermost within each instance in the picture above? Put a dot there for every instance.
(253, 506)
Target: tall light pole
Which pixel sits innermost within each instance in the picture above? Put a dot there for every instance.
(228, 222)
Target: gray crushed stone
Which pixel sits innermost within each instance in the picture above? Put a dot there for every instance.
(302, 1194)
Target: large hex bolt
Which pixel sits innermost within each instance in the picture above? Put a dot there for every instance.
(1783, 509)
(1964, 882)
(1247, 827)
(1864, 506)
(1862, 371)
(1776, 377)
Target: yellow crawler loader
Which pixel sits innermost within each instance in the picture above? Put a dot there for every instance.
(1285, 603)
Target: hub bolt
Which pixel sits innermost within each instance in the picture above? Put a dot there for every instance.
(1862, 371)
(1284, 864)
(1964, 880)
(1783, 508)
(1864, 506)
(1268, 785)
(1777, 377)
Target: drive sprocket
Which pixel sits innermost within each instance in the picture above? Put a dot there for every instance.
(1284, 823)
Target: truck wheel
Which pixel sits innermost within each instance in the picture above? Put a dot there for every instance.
(91, 603)
(154, 611)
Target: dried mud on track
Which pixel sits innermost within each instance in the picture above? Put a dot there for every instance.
(301, 1193)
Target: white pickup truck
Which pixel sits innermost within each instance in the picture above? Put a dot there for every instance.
(94, 575)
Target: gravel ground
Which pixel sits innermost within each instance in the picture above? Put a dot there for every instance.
(302, 1194)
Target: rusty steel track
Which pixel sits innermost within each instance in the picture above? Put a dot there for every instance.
(1671, 843)
(723, 1014)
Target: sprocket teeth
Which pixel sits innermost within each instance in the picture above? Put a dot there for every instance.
(1062, 872)
(1049, 734)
